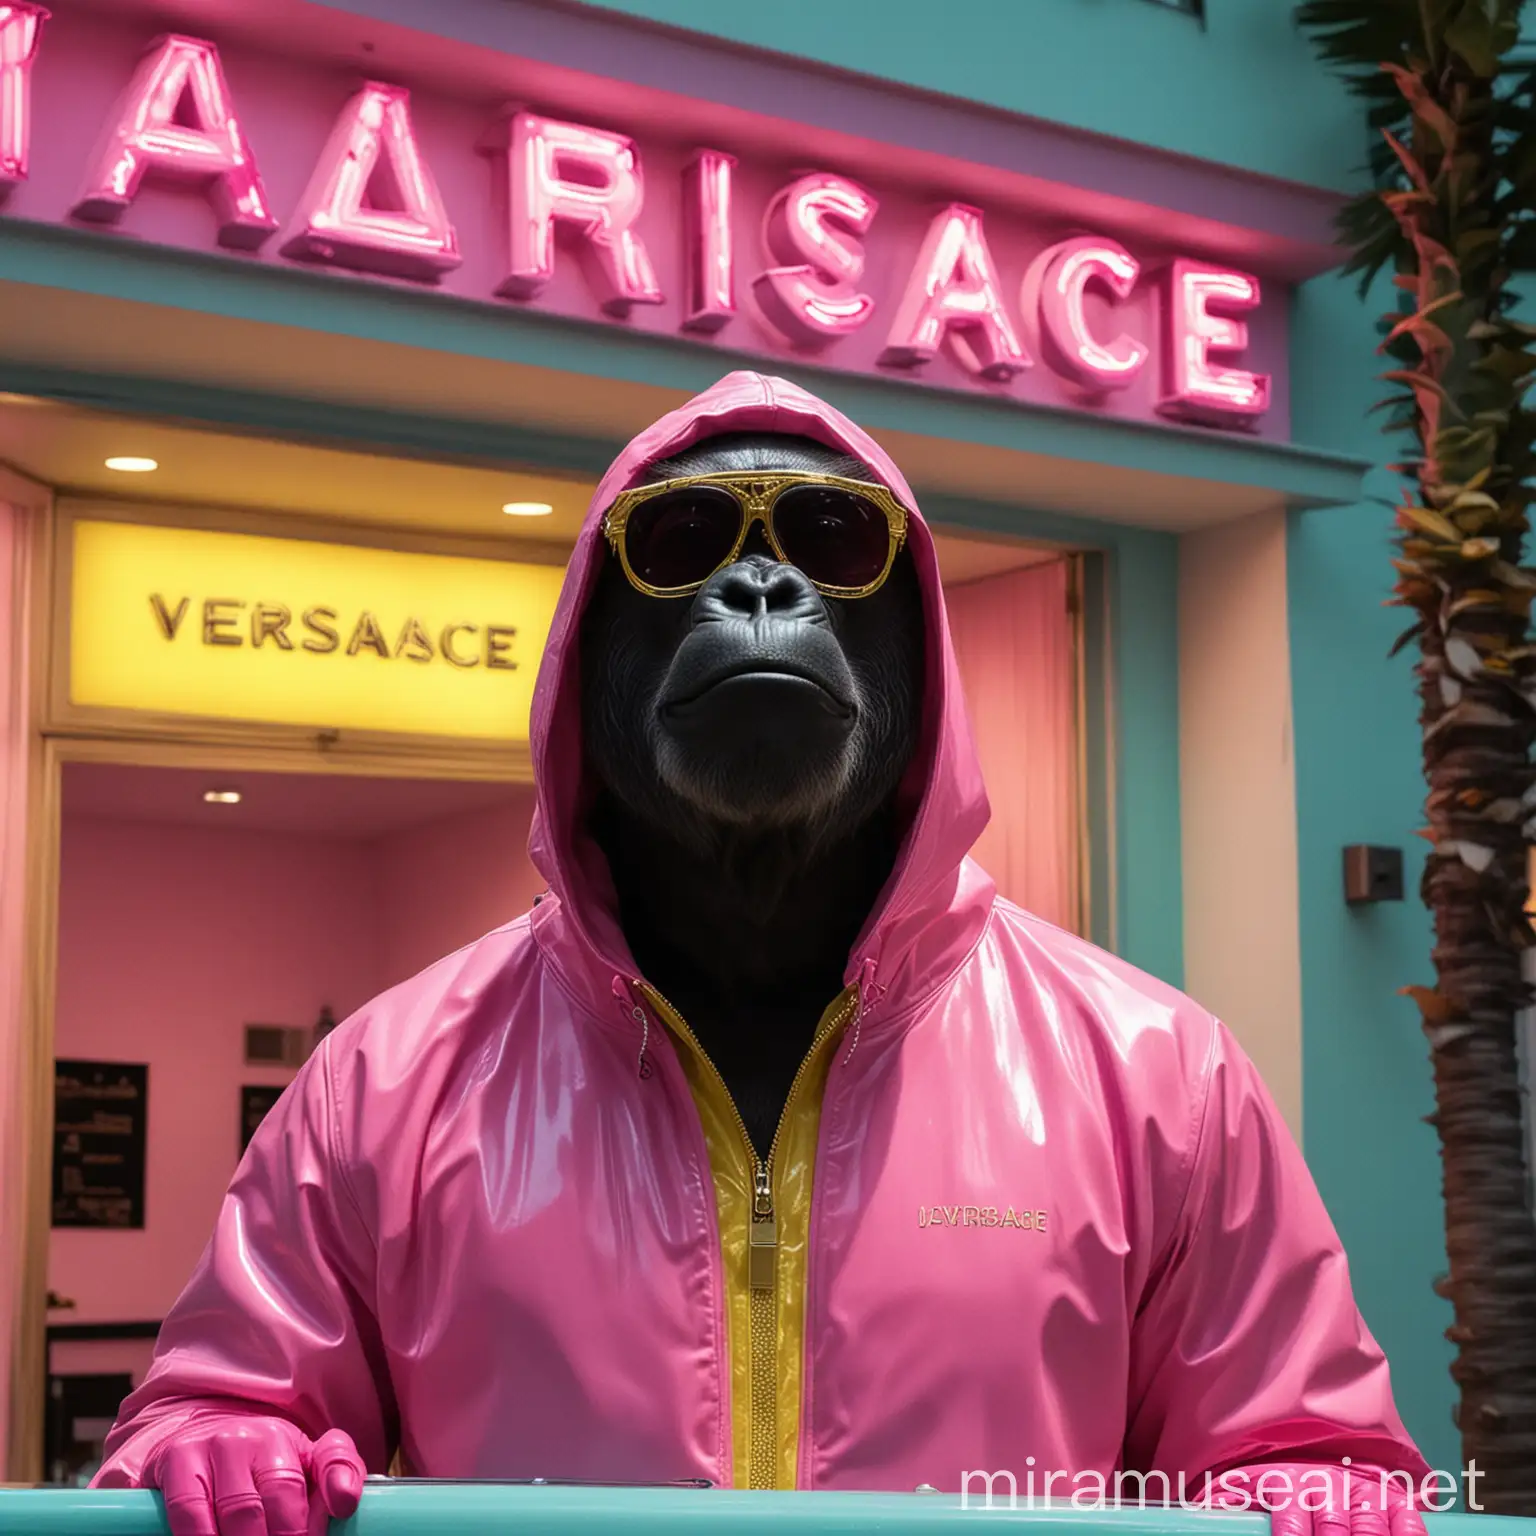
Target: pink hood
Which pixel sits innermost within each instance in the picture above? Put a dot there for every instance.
(1056, 1225)
(948, 802)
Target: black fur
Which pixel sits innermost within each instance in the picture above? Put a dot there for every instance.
(749, 823)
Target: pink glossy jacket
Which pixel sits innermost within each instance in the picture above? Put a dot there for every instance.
(476, 1230)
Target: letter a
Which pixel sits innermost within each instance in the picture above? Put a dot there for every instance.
(180, 76)
(954, 292)
(373, 148)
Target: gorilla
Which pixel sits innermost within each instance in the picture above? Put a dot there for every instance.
(1036, 1209)
(749, 741)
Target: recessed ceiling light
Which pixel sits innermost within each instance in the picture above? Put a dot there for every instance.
(222, 796)
(527, 509)
(130, 464)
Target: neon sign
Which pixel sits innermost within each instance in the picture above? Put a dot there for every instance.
(373, 134)
(20, 27)
(696, 240)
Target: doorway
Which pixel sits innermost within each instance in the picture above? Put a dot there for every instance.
(212, 927)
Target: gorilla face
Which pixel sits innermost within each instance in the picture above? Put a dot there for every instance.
(757, 705)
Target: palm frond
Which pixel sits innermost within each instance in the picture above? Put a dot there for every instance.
(1356, 37)
(1367, 229)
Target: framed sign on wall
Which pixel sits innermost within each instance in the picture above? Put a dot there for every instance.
(99, 1139)
(256, 1101)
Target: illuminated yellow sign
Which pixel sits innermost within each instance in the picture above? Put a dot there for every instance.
(184, 621)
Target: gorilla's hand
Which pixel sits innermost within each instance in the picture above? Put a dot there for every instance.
(1315, 1500)
(249, 1476)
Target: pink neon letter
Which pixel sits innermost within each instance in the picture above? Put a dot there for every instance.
(1196, 389)
(20, 26)
(1055, 288)
(954, 290)
(812, 298)
(707, 186)
(411, 238)
(585, 177)
(147, 137)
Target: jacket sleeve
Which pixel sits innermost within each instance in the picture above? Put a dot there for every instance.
(1247, 1345)
(277, 1318)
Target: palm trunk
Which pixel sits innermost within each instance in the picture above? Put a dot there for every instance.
(1478, 730)
(1470, 1020)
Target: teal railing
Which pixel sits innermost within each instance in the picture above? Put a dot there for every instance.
(488, 1509)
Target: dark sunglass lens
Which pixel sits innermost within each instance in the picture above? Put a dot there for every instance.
(681, 537)
(838, 538)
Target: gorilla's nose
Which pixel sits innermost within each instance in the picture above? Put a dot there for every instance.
(758, 587)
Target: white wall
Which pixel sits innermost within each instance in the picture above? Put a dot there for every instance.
(1242, 947)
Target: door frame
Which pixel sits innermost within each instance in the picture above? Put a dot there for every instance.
(62, 733)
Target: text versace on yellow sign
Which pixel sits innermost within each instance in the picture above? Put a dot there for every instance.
(289, 631)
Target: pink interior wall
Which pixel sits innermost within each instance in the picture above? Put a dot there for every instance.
(1015, 643)
(173, 938)
(448, 882)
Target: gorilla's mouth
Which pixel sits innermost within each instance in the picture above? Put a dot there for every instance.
(777, 676)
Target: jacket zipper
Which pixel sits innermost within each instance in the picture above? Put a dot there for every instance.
(762, 1240)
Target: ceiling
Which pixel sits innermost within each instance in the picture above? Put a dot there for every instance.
(65, 447)
(329, 805)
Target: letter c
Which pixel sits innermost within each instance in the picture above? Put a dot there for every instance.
(445, 645)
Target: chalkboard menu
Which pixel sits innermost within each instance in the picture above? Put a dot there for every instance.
(255, 1102)
(99, 1128)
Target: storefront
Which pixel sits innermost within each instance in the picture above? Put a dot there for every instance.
(375, 306)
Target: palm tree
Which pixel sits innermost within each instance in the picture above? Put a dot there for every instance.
(1451, 215)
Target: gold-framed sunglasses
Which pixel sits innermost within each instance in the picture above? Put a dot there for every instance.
(671, 537)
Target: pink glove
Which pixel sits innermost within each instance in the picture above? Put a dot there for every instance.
(240, 1476)
(1310, 1499)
